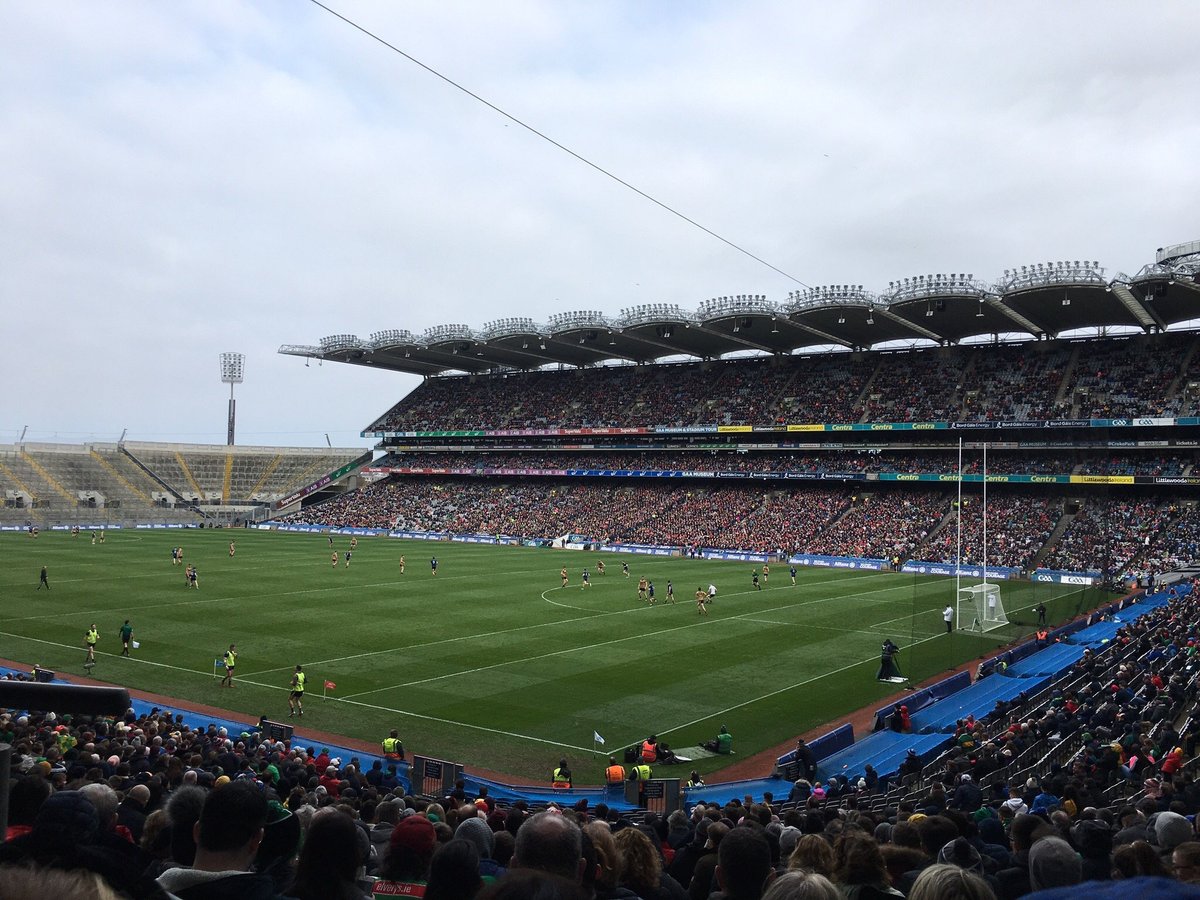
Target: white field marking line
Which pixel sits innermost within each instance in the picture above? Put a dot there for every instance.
(798, 684)
(834, 628)
(275, 687)
(538, 625)
(487, 634)
(254, 596)
(807, 625)
(774, 693)
(136, 659)
(415, 715)
(738, 617)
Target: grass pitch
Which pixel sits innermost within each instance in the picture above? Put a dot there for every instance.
(491, 663)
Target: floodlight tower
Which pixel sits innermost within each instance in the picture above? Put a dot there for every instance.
(233, 366)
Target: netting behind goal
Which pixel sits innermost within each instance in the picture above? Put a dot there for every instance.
(980, 608)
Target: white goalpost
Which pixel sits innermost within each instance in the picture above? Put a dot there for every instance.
(978, 607)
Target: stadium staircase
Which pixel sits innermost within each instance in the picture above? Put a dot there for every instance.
(227, 478)
(48, 478)
(1064, 522)
(257, 487)
(1180, 383)
(154, 476)
(862, 401)
(12, 478)
(112, 470)
(1068, 378)
(187, 473)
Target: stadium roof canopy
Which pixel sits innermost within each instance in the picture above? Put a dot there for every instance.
(1041, 300)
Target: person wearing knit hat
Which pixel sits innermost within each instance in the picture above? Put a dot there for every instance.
(1170, 829)
(477, 832)
(1053, 863)
(789, 837)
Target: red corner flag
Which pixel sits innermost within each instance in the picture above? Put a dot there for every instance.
(329, 686)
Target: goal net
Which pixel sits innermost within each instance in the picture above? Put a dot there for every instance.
(980, 608)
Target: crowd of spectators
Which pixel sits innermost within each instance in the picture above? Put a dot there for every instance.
(1016, 383)
(1033, 381)
(149, 807)
(872, 460)
(1108, 534)
(1178, 545)
(1017, 528)
(883, 525)
(1130, 378)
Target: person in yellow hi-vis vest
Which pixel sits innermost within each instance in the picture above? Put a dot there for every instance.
(230, 660)
(561, 776)
(393, 747)
(296, 695)
(90, 637)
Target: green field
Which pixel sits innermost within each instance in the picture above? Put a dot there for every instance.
(491, 663)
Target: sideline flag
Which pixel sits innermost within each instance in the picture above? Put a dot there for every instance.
(596, 737)
(327, 687)
(330, 686)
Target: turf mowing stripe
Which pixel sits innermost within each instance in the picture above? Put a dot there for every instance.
(744, 617)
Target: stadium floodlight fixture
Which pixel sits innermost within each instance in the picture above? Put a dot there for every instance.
(233, 371)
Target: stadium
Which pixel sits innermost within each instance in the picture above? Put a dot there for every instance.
(555, 569)
(887, 481)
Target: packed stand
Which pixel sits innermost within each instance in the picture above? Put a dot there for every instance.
(1131, 378)
(1017, 383)
(1014, 382)
(1017, 528)
(867, 460)
(1107, 535)
(883, 525)
(1178, 546)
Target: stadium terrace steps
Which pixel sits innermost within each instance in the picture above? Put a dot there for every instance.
(112, 470)
(187, 474)
(12, 477)
(267, 472)
(227, 478)
(48, 478)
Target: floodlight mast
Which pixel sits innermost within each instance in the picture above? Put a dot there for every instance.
(233, 367)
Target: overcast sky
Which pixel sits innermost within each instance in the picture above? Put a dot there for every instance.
(181, 179)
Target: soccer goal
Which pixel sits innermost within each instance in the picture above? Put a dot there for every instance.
(980, 608)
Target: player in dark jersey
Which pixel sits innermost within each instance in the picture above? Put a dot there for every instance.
(587, 579)
(670, 592)
(650, 593)
(433, 565)
(792, 572)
